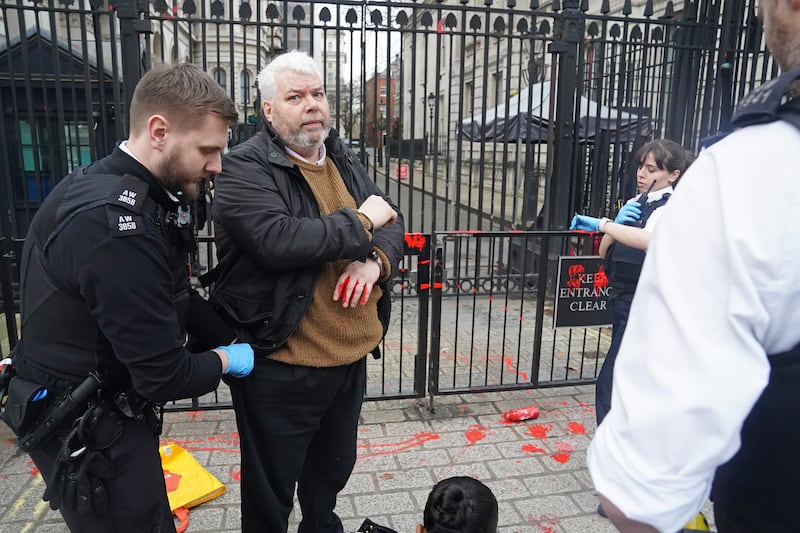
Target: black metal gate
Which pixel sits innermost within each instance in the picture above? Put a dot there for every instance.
(488, 117)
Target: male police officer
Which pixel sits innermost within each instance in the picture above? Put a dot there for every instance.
(105, 294)
(707, 381)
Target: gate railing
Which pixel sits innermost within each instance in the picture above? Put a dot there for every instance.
(472, 312)
(492, 325)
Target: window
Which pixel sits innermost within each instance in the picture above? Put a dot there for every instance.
(76, 136)
(383, 90)
(496, 95)
(219, 75)
(244, 87)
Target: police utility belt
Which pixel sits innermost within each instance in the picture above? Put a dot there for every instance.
(96, 414)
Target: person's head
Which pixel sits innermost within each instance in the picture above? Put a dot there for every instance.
(781, 21)
(460, 504)
(179, 120)
(662, 161)
(294, 101)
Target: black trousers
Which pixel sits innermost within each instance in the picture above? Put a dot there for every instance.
(602, 391)
(297, 425)
(137, 493)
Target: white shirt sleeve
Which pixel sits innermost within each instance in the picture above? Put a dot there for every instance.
(718, 292)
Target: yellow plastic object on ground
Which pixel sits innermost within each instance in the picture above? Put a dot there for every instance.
(188, 482)
(698, 523)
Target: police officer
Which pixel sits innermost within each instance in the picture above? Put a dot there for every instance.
(707, 380)
(661, 163)
(105, 292)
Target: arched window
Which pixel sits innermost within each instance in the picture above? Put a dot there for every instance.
(244, 87)
(219, 75)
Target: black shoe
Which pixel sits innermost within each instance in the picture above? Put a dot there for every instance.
(601, 512)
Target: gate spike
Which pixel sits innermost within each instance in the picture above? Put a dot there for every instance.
(626, 8)
(648, 8)
(534, 5)
(669, 11)
(606, 8)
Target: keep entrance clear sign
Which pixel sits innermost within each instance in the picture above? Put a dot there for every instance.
(582, 298)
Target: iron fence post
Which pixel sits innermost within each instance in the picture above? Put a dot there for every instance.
(562, 176)
(135, 57)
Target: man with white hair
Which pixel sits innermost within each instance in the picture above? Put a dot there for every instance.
(706, 394)
(308, 246)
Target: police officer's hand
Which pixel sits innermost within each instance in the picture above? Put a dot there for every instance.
(240, 359)
(378, 211)
(584, 223)
(629, 213)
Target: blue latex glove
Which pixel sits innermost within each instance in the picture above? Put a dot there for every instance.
(629, 213)
(584, 223)
(240, 359)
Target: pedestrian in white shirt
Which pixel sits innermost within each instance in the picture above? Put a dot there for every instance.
(707, 383)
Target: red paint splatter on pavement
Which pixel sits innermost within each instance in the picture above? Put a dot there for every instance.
(195, 415)
(224, 443)
(565, 448)
(576, 428)
(511, 367)
(475, 433)
(546, 523)
(586, 407)
(561, 457)
(540, 430)
(34, 470)
(236, 475)
(394, 447)
(530, 448)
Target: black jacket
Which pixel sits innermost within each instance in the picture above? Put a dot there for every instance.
(105, 287)
(271, 239)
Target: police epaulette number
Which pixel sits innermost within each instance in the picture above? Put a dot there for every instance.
(129, 193)
(122, 223)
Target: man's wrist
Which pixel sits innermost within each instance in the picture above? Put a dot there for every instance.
(603, 224)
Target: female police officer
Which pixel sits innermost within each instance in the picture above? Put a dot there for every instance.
(661, 165)
(105, 291)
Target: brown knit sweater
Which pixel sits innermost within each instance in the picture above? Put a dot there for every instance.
(329, 334)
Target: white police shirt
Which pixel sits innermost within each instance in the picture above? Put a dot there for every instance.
(719, 291)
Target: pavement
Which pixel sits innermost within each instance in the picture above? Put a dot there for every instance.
(536, 468)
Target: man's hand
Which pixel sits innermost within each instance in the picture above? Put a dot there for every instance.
(629, 213)
(355, 284)
(378, 211)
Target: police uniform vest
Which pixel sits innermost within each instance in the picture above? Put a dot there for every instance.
(760, 480)
(623, 264)
(55, 314)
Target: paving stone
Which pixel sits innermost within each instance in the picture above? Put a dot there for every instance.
(537, 469)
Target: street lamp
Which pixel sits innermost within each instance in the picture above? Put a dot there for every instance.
(431, 105)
